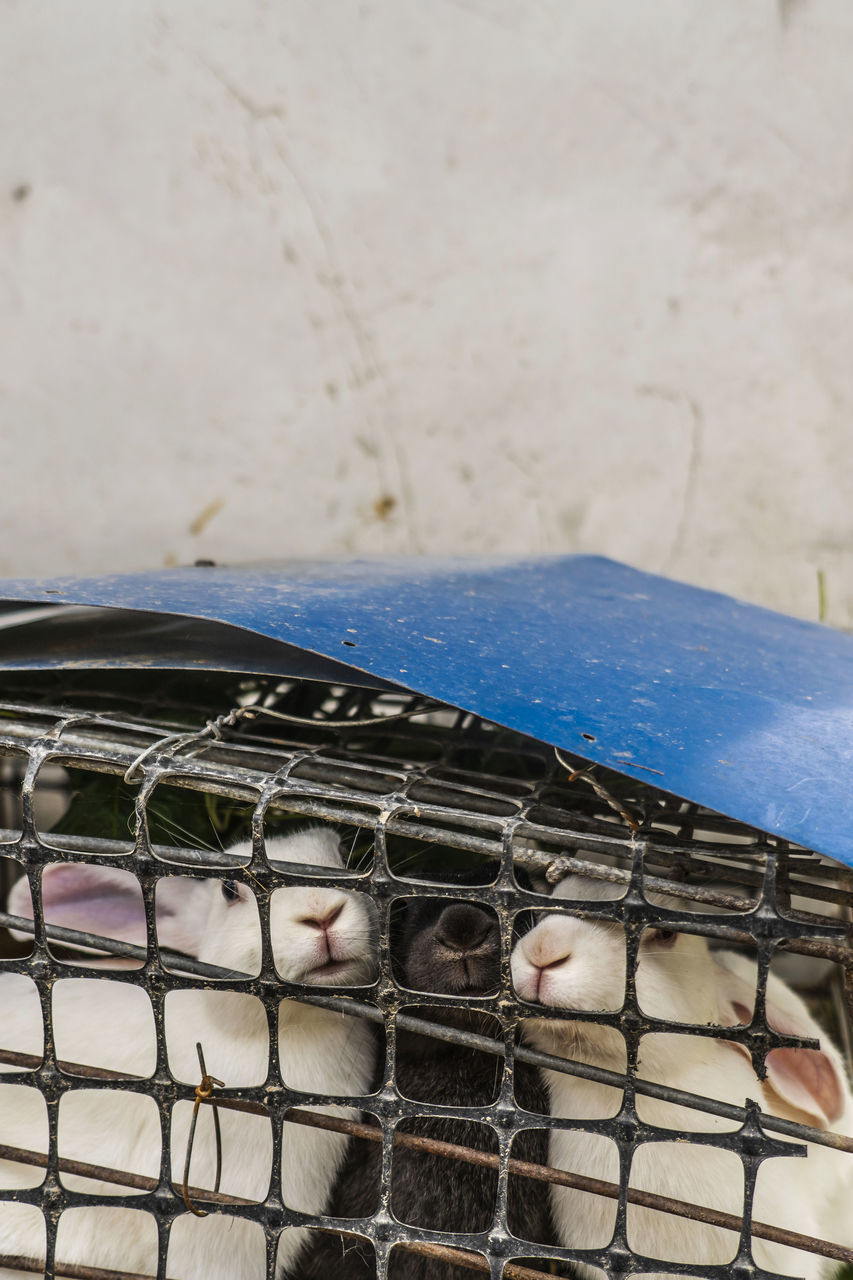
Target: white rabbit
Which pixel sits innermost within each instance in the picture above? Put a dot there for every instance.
(321, 936)
(569, 962)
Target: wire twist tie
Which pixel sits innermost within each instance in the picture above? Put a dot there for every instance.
(204, 1092)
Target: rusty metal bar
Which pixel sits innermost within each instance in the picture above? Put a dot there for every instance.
(108, 755)
(32, 1061)
(445, 1253)
(102, 1173)
(171, 855)
(601, 1075)
(595, 1186)
(441, 1252)
(68, 1270)
(469, 1039)
(454, 1151)
(123, 950)
(555, 867)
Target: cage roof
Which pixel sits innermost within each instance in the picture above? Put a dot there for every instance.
(734, 707)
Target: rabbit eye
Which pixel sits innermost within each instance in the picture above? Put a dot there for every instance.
(230, 890)
(662, 937)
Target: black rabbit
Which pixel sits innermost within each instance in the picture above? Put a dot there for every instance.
(449, 947)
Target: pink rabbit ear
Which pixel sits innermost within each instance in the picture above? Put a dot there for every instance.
(108, 901)
(93, 899)
(806, 1079)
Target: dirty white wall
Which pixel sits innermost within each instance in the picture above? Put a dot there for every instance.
(324, 277)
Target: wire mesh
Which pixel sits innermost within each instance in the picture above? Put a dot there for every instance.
(161, 788)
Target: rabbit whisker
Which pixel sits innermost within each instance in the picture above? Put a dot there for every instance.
(350, 858)
(261, 891)
(175, 828)
(405, 863)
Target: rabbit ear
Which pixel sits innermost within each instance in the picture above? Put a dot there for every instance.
(806, 1079)
(108, 901)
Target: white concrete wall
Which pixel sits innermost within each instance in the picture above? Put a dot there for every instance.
(327, 277)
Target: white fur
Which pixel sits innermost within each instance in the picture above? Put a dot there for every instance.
(684, 983)
(109, 1023)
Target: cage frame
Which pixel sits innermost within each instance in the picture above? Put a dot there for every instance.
(207, 758)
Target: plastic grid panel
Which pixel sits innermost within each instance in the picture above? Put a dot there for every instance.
(530, 804)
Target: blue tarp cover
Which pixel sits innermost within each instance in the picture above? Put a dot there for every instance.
(735, 707)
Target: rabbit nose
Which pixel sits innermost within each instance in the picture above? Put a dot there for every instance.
(323, 922)
(530, 988)
(542, 957)
(463, 928)
(546, 948)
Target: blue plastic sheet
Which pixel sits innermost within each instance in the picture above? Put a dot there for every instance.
(735, 707)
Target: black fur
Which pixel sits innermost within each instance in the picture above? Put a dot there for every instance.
(447, 948)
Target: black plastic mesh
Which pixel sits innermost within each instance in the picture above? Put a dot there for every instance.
(409, 786)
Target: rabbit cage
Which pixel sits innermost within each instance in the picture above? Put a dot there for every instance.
(151, 780)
